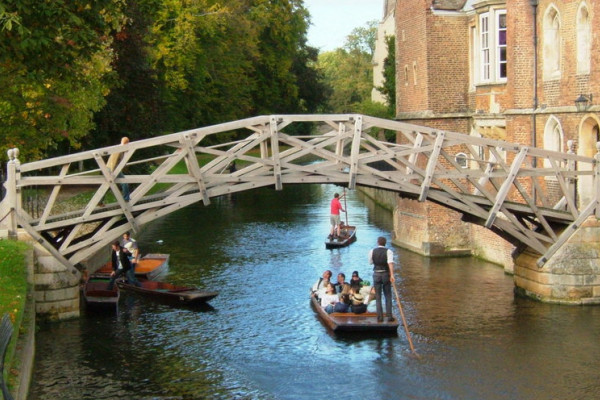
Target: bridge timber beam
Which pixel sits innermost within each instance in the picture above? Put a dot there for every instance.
(524, 194)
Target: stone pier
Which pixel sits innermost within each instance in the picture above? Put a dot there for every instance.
(55, 287)
(570, 276)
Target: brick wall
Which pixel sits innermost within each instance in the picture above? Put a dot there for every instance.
(439, 96)
(411, 49)
(448, 63)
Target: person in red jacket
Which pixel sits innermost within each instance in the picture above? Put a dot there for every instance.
(336, 207)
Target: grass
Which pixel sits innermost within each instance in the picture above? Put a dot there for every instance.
(13, 278)
(13, 281)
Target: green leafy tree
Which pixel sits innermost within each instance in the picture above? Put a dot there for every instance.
(78, 72)
(349, 71)
(133, 107)
(281, 37)
(388, 89)
(55, 69)
(312, 88)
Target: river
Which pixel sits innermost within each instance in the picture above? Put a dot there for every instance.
(260, 339)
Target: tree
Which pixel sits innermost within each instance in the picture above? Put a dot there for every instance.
(80, 73)
(388, 89)
(349, 71)
(133, 107)
(54, 71)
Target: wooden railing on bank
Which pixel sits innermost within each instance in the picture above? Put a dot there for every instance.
(528, 195)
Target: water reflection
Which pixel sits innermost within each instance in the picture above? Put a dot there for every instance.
(261, 340)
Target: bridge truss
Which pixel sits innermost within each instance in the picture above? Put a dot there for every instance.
(525, 194)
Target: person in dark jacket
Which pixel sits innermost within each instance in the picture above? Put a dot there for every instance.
(356, 281)
(121, 266)
(382, 259)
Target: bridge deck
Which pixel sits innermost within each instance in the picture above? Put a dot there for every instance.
(492, 182)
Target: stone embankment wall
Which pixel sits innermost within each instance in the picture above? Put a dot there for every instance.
(55, 288)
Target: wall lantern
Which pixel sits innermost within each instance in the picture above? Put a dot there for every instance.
(583, 102)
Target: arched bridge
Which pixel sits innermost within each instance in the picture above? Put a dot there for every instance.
(527, 195)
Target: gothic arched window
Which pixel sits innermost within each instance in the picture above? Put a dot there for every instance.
(551, 43)
(584, 40)
(553, 137)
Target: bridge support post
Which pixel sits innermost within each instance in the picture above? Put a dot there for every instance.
(570, 276)
(9, 206)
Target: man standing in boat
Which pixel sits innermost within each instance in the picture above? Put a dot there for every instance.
(121, 266)
(382, 259)
(336, 207)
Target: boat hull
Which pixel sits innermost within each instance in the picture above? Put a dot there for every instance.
(98, 297)
(167, 293)
(353, 323)
(347, 238)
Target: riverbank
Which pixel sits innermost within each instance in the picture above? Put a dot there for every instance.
(17, 300)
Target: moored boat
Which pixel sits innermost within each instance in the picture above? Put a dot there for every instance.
(150, 266)
(347, 236)
(168, 293)
(97, 295)
(353, 323)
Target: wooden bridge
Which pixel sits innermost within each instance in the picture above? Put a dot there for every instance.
(527, 195)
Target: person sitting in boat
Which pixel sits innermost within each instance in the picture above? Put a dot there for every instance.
(358, 305)
(370, 298)
(329, 299)
(341, 281)
(344, 304)
(343, 231)
(356, 281)
(319, 287)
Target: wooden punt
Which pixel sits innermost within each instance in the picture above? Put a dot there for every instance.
(168, 293)
(97, 295)
(347, 236)
(150, 266)
(353, 323)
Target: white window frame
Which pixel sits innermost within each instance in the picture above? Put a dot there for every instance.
(462, 160)
(499, 61)
(484, 48)
(489, 49)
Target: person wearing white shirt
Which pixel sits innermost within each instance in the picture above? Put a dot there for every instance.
(321, 283)
(329, 299)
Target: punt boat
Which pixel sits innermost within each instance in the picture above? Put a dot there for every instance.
(168, 293)
(150, 266)
(97, 296)
(353, 323)
(347, 236)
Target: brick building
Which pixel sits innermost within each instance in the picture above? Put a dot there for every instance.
(508, 70)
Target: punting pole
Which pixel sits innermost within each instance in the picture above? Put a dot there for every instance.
(345, 206)
(412, 348)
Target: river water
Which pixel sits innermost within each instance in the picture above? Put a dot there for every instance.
(261, 340)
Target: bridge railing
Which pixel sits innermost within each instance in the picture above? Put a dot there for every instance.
(528, 195)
